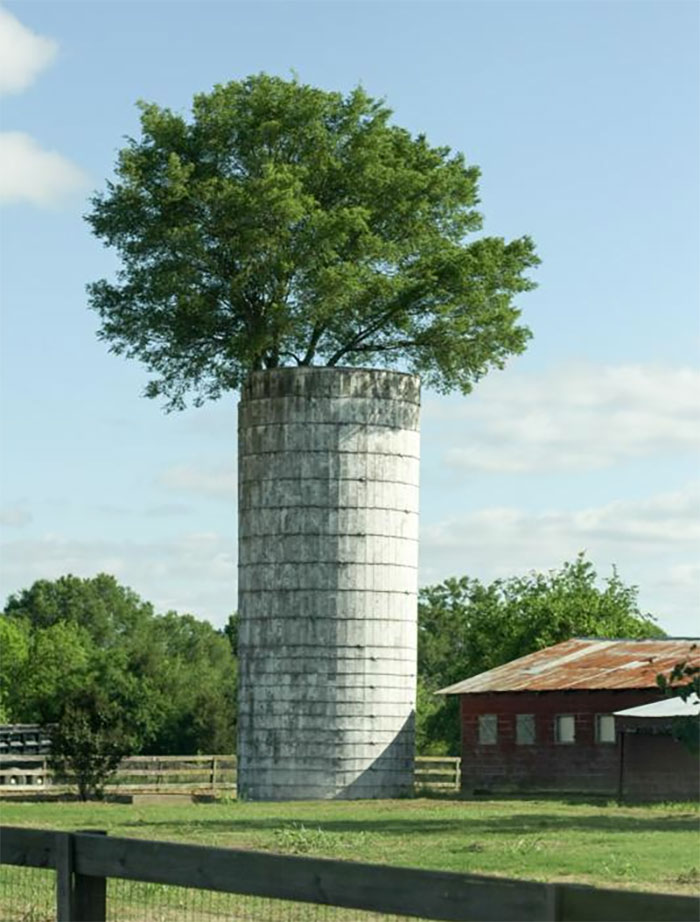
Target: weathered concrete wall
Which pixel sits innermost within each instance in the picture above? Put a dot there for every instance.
(328, 538)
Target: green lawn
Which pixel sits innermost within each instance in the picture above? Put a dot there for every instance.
(644, 847)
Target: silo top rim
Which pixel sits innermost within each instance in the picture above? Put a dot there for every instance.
(331, 382)
(332, 369)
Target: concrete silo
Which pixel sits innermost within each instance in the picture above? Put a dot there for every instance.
(328, 538)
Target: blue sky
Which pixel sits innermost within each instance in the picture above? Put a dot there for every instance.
(583, 117)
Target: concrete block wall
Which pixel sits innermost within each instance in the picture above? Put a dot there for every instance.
(328, 553)
(655, 765)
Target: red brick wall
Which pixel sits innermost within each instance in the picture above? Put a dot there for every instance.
(583, 766)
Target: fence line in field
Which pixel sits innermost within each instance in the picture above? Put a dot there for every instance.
(200, 772)
(83, 861)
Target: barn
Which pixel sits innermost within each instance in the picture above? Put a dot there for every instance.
(545, 722)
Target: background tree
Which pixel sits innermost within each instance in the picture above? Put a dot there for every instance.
(288, 225)
(198, 682)
(14, 650)
(683, 681)
(91, 737)
(109, 612)
(173, 676)
(465, 628)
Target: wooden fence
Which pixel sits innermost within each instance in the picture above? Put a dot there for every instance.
(437, 773)
(192, 773)
(83, 861)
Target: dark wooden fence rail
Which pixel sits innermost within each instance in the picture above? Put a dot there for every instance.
(85, 860)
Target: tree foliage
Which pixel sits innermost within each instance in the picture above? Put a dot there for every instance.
(285, 224)
(170, 678)
(465, 628)
(14, 644)
(90, 738)
(683, 681)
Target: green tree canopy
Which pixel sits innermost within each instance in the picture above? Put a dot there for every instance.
(288, 225)
(171, 677)
(110, 613)
(14, 651)
(92, 735)
(465, 628)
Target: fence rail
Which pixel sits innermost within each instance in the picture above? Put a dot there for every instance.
(205, 772)
(83, 861)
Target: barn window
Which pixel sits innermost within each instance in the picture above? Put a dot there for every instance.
(564, 728)
(488, 729)
(604, 728)
(525, 729)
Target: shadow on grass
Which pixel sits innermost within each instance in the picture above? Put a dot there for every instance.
(516, 824)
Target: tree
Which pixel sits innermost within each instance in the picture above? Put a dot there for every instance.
(289, 225)
(58, 665)
(465, 628)
(14, 644)
(173, 676)
(683, 681)
(93, 734)
(231, 632)
(107, 611)
(198, 680)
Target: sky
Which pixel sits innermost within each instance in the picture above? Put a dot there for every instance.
(583, 117)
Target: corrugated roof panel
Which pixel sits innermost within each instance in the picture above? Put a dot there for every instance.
(669, 707)
(585, 663)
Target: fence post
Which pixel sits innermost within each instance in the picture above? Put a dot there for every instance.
(89, 893)
(553, 910)
(213, 773)
(64, 877)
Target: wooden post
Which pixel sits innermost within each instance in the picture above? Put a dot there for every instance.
(553, 907)
(64, 877)
(90, 893)
(621, 777)
(213, 773)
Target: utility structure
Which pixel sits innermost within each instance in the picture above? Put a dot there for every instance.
(328, 538)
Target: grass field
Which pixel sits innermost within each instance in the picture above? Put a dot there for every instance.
(642, 847)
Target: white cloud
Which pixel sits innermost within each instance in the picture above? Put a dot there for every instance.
(654, 542)
(30, 174)
(661, 521)
(193, 572)
(23, 54)
(221, 481)
(582, 417)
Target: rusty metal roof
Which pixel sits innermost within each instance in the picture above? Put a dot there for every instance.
(585, 663)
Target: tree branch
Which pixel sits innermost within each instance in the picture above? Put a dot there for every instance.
(352, 345)
(317, 332)
(374, 347)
